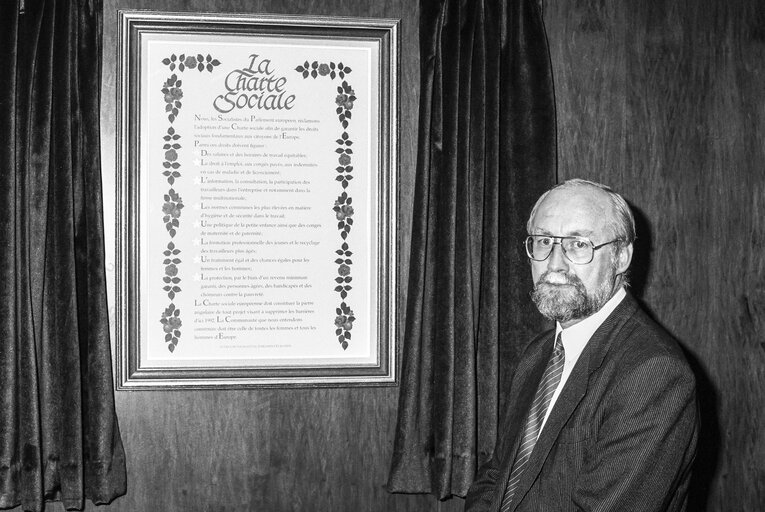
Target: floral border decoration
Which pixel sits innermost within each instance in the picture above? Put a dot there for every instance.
(172, 201)
(343, 204)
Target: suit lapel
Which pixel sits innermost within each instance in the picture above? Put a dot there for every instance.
(524, 387)
(574, 390)
(522, 391)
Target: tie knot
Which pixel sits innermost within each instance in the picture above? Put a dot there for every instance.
(558, 350)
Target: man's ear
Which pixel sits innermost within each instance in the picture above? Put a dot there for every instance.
(624, 258)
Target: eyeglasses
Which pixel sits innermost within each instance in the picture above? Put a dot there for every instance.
(576, 249)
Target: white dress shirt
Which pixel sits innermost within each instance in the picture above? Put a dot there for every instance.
(576, 337)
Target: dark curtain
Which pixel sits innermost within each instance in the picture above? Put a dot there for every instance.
(59, 438)
(486, 152)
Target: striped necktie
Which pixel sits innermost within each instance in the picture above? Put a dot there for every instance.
(533, 425)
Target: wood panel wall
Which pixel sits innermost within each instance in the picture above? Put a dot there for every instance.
(662, 99)
(665, 101)
(266, 450)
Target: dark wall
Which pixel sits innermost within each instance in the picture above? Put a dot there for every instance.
(661, 99)
(665, 101)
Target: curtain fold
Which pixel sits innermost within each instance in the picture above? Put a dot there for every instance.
(486, 152)
(59, 438)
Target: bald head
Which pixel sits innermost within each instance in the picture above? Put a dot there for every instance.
(620, 220)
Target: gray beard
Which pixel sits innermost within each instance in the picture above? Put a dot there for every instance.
(562, 303)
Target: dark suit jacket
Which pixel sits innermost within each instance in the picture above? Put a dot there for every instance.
(621, 436)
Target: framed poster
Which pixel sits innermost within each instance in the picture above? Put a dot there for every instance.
(256, 201)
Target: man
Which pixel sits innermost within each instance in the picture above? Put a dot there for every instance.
(602, 417)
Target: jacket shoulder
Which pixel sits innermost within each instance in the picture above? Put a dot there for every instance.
(641, 339)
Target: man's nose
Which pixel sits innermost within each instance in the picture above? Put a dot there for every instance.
(557, 260)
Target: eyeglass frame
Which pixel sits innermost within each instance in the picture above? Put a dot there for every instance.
(563, 250)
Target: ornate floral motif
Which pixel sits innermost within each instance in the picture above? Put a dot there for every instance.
(197, 62)
(171, 148)
(171, 324)
(173, 94)
(315, 69)
(344, 152)
(171, 263)
(172, 210)
(344, 100)
(344, 323)
(344, 263)
(344, 214)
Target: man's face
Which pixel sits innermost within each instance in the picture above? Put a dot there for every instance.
(565, 291)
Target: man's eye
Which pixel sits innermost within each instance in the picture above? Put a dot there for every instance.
(544, 242)
(579, 244)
